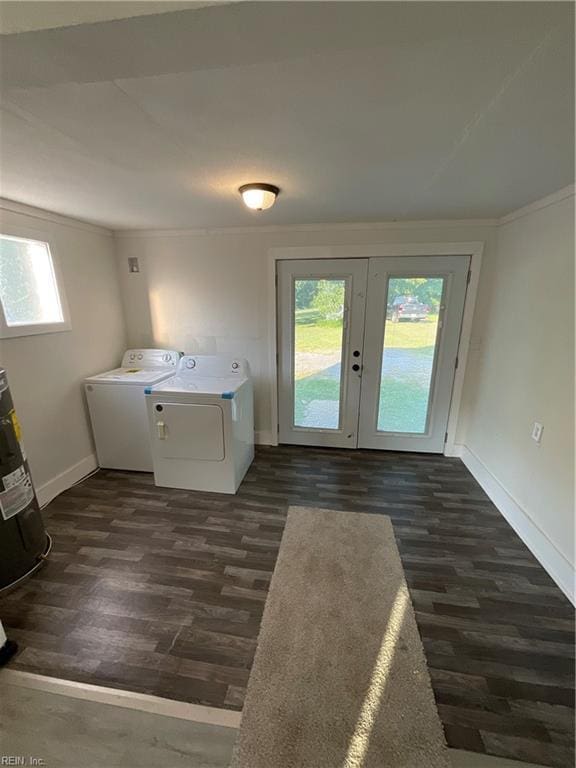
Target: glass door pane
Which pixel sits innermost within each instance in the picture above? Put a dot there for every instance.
(410, 342)
(319, 311)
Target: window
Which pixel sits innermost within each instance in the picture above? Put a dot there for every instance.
(30, 300)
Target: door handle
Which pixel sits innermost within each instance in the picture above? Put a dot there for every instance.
(161, 427)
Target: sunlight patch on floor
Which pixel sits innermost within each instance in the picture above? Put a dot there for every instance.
(360, 741)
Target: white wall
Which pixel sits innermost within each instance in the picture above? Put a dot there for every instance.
(46, 371)
(210, 292)
(523, 371)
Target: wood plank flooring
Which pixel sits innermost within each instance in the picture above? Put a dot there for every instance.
(162, 591)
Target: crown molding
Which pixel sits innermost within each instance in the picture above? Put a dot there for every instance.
(12, 206)
(537, 205)
(329, 227)
(41, 214)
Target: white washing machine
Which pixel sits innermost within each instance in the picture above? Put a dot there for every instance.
(118, 408)
(202, 424)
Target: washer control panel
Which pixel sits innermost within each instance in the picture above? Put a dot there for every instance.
(151, 358)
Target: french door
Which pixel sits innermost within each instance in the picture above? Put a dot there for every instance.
(321, 313)
(367, 350)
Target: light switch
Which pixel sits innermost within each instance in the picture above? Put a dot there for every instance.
(537, 430)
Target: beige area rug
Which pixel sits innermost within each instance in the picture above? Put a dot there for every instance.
(339, 679)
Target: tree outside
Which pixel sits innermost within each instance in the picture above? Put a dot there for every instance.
(425, 289)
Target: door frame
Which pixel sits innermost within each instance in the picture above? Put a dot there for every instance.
(471, 249)
(453, 270)
(355, 274)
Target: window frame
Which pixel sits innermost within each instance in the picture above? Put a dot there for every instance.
(36, 329)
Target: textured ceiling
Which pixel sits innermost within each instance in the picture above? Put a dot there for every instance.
(358, 111)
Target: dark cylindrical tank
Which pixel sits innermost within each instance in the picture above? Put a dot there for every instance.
(23, 540)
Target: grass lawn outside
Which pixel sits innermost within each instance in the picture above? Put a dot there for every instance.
(308, 393)
(403, 406)
(405, 383)
(327, 336)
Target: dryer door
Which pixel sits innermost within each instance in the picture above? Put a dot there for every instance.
(188, 431)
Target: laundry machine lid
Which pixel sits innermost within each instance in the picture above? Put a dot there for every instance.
(221, 387)
(134, 376)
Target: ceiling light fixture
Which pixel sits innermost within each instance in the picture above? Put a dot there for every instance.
(259, 197)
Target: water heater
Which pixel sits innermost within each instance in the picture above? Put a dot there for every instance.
(23, 541)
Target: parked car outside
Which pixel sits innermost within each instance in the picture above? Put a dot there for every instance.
(407, 308)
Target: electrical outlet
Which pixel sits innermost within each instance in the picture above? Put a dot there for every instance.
(537, 430)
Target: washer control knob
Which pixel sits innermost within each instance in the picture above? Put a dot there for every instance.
(140, 356)
(235, 366)
(191, 363)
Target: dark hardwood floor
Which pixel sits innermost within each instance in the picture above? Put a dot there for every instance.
(162, 591)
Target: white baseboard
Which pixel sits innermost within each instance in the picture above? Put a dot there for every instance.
(544, 550)
(66, 479)
(453, 449)
(263, 437)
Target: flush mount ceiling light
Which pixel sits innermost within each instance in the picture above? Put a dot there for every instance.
(259, 196)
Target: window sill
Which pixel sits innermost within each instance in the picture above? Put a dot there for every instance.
(33, 330)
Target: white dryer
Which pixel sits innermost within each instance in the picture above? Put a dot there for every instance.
(118, 408)
(202, 424)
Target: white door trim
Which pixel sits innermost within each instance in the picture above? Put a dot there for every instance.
(453, 270)
(474, 249)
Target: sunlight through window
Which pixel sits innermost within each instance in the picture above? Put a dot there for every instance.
(28, 291)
